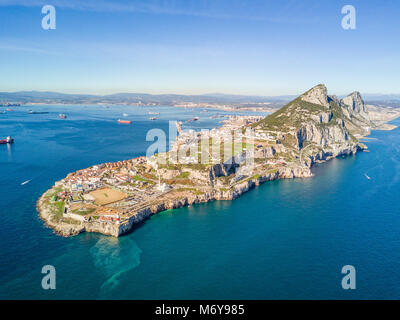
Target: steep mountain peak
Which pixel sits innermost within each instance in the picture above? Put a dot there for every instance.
(318, 119)
(353, 100)
(355, 104)
(317, 95)
(355, 94)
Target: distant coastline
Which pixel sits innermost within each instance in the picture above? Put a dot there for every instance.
(223, 107)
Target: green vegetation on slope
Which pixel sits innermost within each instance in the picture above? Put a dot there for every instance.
(291, 115)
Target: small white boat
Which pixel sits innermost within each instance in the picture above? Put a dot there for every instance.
(25, 182)
(125, 114)
(368, 177)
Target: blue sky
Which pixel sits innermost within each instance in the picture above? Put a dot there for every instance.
(195, 46)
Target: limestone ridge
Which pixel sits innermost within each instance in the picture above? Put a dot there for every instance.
(324, 125)
(317, 95)
(354, 105)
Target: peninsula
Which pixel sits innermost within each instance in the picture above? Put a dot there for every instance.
(220, 164)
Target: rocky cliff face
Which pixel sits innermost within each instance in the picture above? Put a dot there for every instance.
(209, 175)
(325, 125)
(321, 136)
(317, 95)
(211, 195)
(223, 169)
(354, 106)
(335, 133)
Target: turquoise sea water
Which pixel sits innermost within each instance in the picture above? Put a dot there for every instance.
(284, 240)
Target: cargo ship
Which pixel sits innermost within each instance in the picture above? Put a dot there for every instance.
(62, 116)
(10, 105)
(7, 140)
(124, 121)
(37, 112)
(194, 119)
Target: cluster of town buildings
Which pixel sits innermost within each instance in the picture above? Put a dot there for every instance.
(97, 176)
(231, 130)
(78, 187)
(81, 189)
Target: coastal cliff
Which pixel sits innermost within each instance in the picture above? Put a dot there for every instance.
(112, 198)
(70, 227)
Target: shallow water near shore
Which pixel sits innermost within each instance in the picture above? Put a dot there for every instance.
(284, 240)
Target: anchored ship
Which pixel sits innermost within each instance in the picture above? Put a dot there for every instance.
(7, 140)
(194, 119)
(10, 105)
(37, 112)
(124, 121)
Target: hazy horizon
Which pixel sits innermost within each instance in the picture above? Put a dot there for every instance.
(195, 94)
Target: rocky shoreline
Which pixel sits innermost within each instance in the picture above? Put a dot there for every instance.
(60, 228)
(71, 229)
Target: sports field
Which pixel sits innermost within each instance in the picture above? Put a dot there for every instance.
(106, 196)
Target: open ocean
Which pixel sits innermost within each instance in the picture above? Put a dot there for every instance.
(287, 239)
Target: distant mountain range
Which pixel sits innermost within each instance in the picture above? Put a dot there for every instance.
(159, 99)
(141, 98)
(382, 97)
